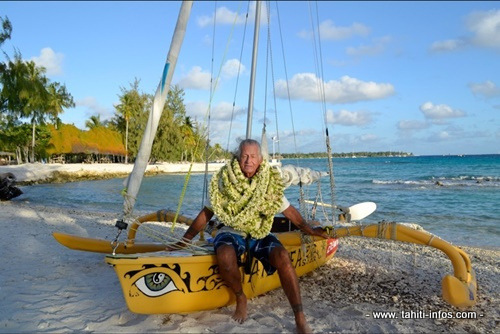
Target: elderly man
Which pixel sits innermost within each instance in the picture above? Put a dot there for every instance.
(245, 195)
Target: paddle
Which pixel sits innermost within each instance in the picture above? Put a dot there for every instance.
(357, 211)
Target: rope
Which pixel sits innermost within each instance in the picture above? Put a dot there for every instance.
(237, 78)
(270, 52)
(318, 61)
(183, 194)
(286, 78)
(169, 238)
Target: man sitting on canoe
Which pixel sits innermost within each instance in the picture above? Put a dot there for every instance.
(245, 195)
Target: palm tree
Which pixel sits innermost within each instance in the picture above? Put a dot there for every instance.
(34, 95)
(93, 122)
(58, 99)
(130, 103)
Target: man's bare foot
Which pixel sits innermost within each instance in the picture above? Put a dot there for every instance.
(300, 322)
(240, 314)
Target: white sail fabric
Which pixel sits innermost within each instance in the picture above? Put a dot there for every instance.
(135, 179)
(293, 175)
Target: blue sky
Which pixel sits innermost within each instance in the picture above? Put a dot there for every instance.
(421, 77)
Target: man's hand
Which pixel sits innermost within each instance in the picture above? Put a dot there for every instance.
(318, 231)
(178, 245)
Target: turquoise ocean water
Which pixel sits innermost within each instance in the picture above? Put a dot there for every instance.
(454, 197)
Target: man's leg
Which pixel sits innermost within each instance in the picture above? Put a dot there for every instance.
(228, 269)
(280, 259)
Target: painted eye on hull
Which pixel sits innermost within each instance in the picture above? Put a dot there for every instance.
(155, 284)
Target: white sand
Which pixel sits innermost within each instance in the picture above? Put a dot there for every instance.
(46, 287)
(40, 172)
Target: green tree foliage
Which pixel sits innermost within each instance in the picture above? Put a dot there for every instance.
(27, 94)
(131, 117)
(6, 29)
(93, 122)
(178, 137)
(169, 144)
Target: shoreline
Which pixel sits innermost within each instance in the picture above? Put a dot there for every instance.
(49, 288)
(37, 173)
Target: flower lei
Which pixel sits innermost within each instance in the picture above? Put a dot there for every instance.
(247, 205)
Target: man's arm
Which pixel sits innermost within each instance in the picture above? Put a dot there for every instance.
(296, 218)
(198, 224)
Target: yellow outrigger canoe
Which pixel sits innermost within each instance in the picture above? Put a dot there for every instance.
(156, 281)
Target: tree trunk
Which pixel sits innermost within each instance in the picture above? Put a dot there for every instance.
(126, 141)
(33, 143)
(18, 155)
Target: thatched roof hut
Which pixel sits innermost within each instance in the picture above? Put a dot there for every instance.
(68, 139)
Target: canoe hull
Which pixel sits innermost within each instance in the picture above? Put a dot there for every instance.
(169, 283)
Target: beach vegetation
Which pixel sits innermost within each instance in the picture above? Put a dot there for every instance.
(27, 94)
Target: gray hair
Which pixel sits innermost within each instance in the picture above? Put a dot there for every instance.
(246, 142)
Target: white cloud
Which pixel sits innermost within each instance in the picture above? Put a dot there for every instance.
(231, 68)
(377, 47)
(328, 31)
(196, 79)
(365, 50)
(51, 60)
(486, 28)
(486, 89)
(93, 107)
(369, 137)
(220, 112)
(447, 45)
(224, 15)
(412, 125)
(348, 118)
(440, 111)
(306, 86)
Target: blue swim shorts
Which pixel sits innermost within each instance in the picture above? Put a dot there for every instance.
(259, 248)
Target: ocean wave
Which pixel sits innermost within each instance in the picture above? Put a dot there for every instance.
(455, 181)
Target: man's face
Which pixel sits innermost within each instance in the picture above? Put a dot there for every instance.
(250, 160)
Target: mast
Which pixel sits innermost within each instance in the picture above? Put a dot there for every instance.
(252, 73)
(135, 179)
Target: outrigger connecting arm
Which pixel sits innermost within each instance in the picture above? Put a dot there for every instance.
(459, 290)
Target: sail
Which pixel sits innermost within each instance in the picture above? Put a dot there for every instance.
(135, 178)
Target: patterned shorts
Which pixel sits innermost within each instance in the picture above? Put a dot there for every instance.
(259, 248)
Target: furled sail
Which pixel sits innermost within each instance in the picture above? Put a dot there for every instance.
(135, 178)
(292, 175)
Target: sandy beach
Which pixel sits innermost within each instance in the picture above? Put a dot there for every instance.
(43, 173)
(48, 288)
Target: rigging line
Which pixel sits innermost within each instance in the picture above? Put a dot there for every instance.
(237, 78)
(267, 70)
(207, 145)
(286, 78)
(328, 146)
(213, 88)
(272, 74)
(160, 236)
(188, 175)
(268, 55)
(321, 91)
(315, 57)
(212, 93)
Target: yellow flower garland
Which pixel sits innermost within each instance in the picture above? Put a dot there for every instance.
(247, 205)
